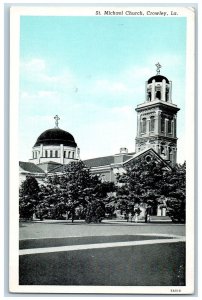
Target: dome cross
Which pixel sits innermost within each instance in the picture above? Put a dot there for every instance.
(158, 66)
(56, 121)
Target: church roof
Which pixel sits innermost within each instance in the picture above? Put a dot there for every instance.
(56, 136)
(127, 158)
(158, 78)
(30, 167)
(58, 169)
(104, 161)
(49, 166)
(99, 161)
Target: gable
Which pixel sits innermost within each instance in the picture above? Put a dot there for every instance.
(148, 154)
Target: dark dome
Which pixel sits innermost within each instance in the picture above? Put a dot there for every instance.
(158, 78)
(56, 136)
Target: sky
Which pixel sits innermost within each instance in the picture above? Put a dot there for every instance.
(91, 71)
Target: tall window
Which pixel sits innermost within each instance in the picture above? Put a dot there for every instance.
(149, 95)
(169, 126)
(64, 154)
(158, 95)
(72, 154)
(170, 153)
(144, 122)
(162, 124)
(152, 123)
(46, 153)
(69, 154)
(51, 153)
(56, 153)
(167, 94)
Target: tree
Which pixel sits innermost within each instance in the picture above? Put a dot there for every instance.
(95, 211)
(141, 183)
(174, 189)
(52, 204)
(29, 195)
(75, 189)
(151, 183)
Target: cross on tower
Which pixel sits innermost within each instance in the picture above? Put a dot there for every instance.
(158, 68)
(56, 121)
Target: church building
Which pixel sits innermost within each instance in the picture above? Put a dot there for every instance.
(156, 131)
(156, 139)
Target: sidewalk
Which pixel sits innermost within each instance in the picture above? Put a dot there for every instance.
(154, 220)
(140, 222)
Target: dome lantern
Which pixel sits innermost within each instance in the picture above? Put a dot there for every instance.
(158, 87)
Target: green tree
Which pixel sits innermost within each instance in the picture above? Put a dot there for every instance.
(29, 196)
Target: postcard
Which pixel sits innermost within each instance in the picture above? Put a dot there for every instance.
(102, 149)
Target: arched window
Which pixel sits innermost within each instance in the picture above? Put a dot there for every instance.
(69, 154)
(56, 153)
(72, 154)
(144, 122)
(152, 123)
(51, 153)
(64, 154)
(46, 153)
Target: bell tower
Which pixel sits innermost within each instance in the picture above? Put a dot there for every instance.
(157, 119)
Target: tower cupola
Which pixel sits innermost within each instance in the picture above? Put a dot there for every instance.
(158, 87)
(157, 118)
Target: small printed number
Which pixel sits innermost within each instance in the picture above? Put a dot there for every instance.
(175, 291)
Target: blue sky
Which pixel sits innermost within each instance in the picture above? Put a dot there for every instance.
(91, 71)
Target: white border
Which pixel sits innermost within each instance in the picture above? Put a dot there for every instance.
(14, 94)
